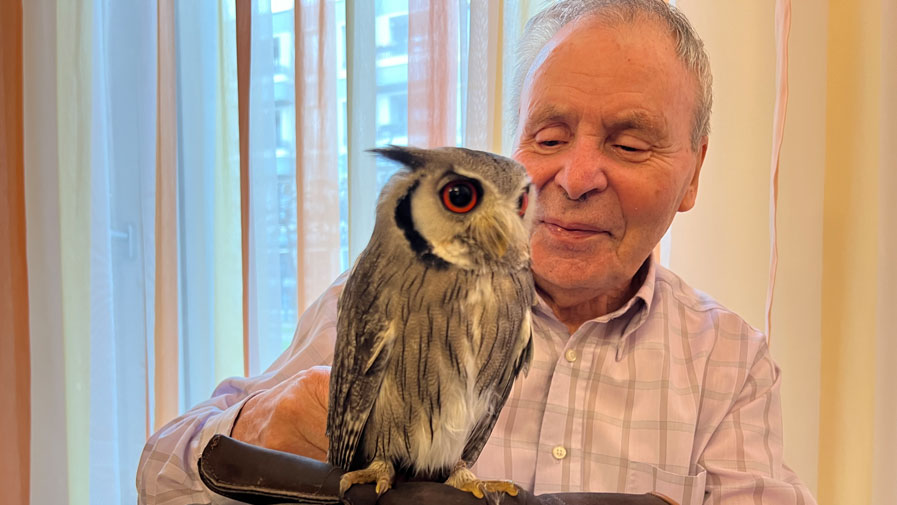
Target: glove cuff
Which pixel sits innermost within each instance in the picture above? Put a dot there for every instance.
(253, 474)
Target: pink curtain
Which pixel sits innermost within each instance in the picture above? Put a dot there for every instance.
(15, 363)
(432, 72)
(317, 159)
(783, 30)
(244, 57)
(166, 295)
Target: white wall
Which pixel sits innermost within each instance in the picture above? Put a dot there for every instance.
(722, 246)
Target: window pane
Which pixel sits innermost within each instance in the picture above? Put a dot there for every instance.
(390, 122)
(391, 34)
(277, 311)
(342, 133)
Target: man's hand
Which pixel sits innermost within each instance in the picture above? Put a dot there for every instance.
(291, 417)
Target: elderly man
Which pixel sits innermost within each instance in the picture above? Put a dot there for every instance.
(639, 383)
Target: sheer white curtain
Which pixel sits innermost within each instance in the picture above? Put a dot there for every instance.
(121, 222)
(49, 468)
(209, 274)
(89, 189)
(93, 350)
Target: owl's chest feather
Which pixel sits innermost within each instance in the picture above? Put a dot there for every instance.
(452, 404)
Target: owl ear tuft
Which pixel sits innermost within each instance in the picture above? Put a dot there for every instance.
(410, 157)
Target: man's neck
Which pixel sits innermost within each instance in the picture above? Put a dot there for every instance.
(575, 307)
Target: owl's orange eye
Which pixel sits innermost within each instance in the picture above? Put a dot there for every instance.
(460, 196)
(522, 203)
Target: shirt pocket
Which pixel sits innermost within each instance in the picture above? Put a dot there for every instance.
(684, 489)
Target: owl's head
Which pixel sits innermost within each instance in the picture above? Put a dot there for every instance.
(456, 206)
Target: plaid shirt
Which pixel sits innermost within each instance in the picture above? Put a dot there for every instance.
(671, 393)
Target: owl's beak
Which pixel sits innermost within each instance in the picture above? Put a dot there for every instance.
(492, 235)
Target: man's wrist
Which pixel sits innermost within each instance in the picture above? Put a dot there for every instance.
(240, 430)
(222, 423)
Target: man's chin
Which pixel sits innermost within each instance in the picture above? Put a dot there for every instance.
(568, 268)
(567, 280)
(599, 273)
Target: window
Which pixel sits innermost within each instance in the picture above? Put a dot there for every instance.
(391, 34)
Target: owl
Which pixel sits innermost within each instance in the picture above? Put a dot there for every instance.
(434, 322)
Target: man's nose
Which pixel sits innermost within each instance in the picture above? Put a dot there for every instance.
(583, 171)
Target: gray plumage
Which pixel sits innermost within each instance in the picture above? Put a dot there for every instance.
(434, 321)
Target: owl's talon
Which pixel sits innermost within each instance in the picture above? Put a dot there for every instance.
(474, 487)
(463, 479)
(500, 486)
(344, 485)
(382, 486)
(379, 472)
(479, 488)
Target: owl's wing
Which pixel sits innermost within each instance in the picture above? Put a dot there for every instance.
(481, 432)
(363, 345)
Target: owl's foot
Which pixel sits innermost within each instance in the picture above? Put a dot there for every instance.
(379, 471)
(479, 488)
(462, 478)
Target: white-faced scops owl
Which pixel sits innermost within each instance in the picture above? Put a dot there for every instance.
(434, 323)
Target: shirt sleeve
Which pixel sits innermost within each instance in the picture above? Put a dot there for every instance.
(743, 457)
(167, 473)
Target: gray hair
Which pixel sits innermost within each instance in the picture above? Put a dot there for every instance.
(689, 47)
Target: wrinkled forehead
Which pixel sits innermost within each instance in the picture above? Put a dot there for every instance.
(601, 45)
(583, 31)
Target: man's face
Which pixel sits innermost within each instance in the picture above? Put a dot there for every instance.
(605, 134)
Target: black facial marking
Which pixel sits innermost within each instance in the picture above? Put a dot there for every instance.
(418, 244)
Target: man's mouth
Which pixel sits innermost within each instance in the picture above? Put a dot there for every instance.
(571, 229)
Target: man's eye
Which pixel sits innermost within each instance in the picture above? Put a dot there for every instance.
(551, 137)
(635, 153)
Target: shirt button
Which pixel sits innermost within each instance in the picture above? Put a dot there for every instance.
(570, 355)
(559, 452)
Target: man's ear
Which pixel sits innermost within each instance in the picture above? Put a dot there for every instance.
(691, 193)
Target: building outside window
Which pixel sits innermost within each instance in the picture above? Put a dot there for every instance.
(391, 34)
